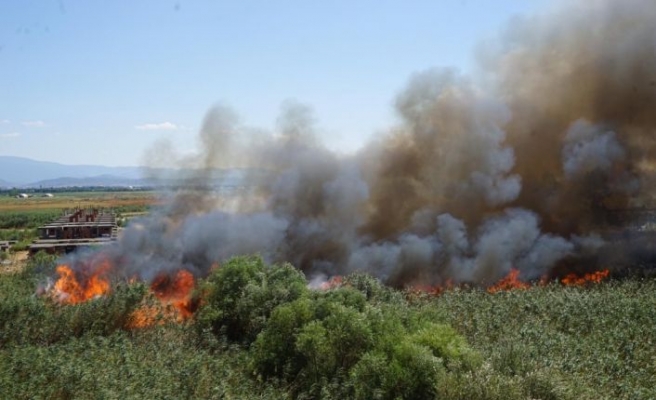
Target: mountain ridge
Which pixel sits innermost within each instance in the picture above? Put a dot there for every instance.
(21, 171)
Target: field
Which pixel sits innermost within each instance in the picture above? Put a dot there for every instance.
(64, 200)
(258, 331)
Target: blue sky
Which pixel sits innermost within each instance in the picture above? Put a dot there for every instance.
(97, 82)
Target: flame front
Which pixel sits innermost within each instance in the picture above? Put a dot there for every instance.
(509, 282)
(85, 281)
(174, 293)
(594, 277)
(76, 287)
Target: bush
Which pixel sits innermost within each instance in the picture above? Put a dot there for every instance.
(240, 296)
(339, 342)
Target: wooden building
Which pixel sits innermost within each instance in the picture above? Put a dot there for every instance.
(74, 229)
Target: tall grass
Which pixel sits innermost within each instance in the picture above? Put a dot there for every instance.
(261, 333)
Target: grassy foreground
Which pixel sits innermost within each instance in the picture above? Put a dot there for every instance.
(261, 333)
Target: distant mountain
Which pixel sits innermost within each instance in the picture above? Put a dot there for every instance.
(19, 171)
(100, 180)
(5, 184)
(23, 171)
(27, 173)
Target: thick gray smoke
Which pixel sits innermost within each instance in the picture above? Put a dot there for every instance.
(588, 149)
(469, 185)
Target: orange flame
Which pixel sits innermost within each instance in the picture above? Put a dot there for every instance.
(174, 293)
(90, 280)
(145, 316)
(74, 287)
(175, 290)
(594, 277)
(509, 282)
(332, 283)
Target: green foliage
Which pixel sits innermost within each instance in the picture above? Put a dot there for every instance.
(334, 339)
(29, 316)
(445, 343)
(36, 320)
(26, 219)
(21, 245)
(274, 353)
(372, 288)
(240, 296)
(265, 335)
(18, 234)
(565, 342)
(159, 363)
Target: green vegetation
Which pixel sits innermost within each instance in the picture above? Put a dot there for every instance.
(27, 219)
(261, 333)
(21, 226)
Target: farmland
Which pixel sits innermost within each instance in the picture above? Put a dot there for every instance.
(260, 333)
(133, 200)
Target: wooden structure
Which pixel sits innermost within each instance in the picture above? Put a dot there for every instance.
(74, 229)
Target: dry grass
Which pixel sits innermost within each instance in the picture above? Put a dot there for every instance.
(79, 199)
(16, 263)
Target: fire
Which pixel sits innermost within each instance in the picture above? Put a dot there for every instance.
(171, 292)
(145, 316)
(594, 277)
(174, 293)
(332, 283)
(509, 282)
(74, 287)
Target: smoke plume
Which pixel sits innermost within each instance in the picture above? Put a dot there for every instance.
(516, 168)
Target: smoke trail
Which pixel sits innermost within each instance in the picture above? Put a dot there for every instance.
(470, 183)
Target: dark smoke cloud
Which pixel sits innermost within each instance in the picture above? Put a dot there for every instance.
(471, 183)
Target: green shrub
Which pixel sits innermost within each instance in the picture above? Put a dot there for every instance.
(332, 340)
(445, 343)
(274, 351)
(240, 296)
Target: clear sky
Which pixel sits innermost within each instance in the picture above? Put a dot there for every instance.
(97, 82)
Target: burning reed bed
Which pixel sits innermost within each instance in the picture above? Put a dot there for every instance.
(259, 331)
